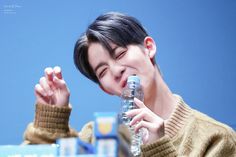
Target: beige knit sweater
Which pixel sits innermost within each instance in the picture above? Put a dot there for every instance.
(188, 133)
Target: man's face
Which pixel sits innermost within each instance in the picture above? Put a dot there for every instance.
(113, 71)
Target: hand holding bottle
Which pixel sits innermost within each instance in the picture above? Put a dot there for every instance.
(143, 117)
(52, 88)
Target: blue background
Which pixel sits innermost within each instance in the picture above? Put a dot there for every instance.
(196, 54)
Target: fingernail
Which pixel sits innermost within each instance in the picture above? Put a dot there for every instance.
(57, 69)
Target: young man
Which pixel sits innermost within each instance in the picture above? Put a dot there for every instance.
(114, 47)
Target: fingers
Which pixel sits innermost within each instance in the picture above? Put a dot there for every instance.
(39, 91)
(41, 95)
(54, 78)
(144, 118)
(141, 114)
(49, 73)
(143, 124)
(138, 117)
(139, 103)
(59, 83)
(133, 112)
(45, 86)
(58, 80)
(52, 88)
(50, 82)
(57, 72)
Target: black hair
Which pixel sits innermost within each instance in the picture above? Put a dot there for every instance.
(112, 27)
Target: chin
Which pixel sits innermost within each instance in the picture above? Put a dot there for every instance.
(118, 93)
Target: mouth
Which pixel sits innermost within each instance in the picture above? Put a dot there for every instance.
(123, 83)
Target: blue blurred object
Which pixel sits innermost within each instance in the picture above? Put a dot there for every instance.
(105, 131)
(74, 146)
(28, 150)
(83, 149)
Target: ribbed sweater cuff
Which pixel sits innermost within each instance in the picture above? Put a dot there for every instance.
(162, 148)
(52, 118)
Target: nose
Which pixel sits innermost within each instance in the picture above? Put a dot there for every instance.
(117, 71)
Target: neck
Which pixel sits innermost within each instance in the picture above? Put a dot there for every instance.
(160, 99)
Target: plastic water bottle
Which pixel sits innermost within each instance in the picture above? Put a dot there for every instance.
(131, 90)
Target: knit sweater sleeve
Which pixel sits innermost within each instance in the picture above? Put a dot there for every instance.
(50, 123)
(218, 145)
(221, 144)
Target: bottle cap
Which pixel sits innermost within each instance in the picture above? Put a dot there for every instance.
(134, 78)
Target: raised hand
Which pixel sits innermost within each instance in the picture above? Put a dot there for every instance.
(52, 88)
(143, 117)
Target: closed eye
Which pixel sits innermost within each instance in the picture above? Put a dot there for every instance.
(120, 55)
(102, 73)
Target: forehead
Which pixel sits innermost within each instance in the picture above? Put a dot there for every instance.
(97, 48)
(97, 53)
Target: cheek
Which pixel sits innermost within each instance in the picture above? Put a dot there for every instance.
(106, 82)
(137, 63)
(110, 86)
(135, 58)
(130, 61)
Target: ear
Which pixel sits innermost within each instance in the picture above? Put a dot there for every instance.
(105, 90)
(150, 45)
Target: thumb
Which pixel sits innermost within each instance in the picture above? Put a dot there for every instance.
(59, 83)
